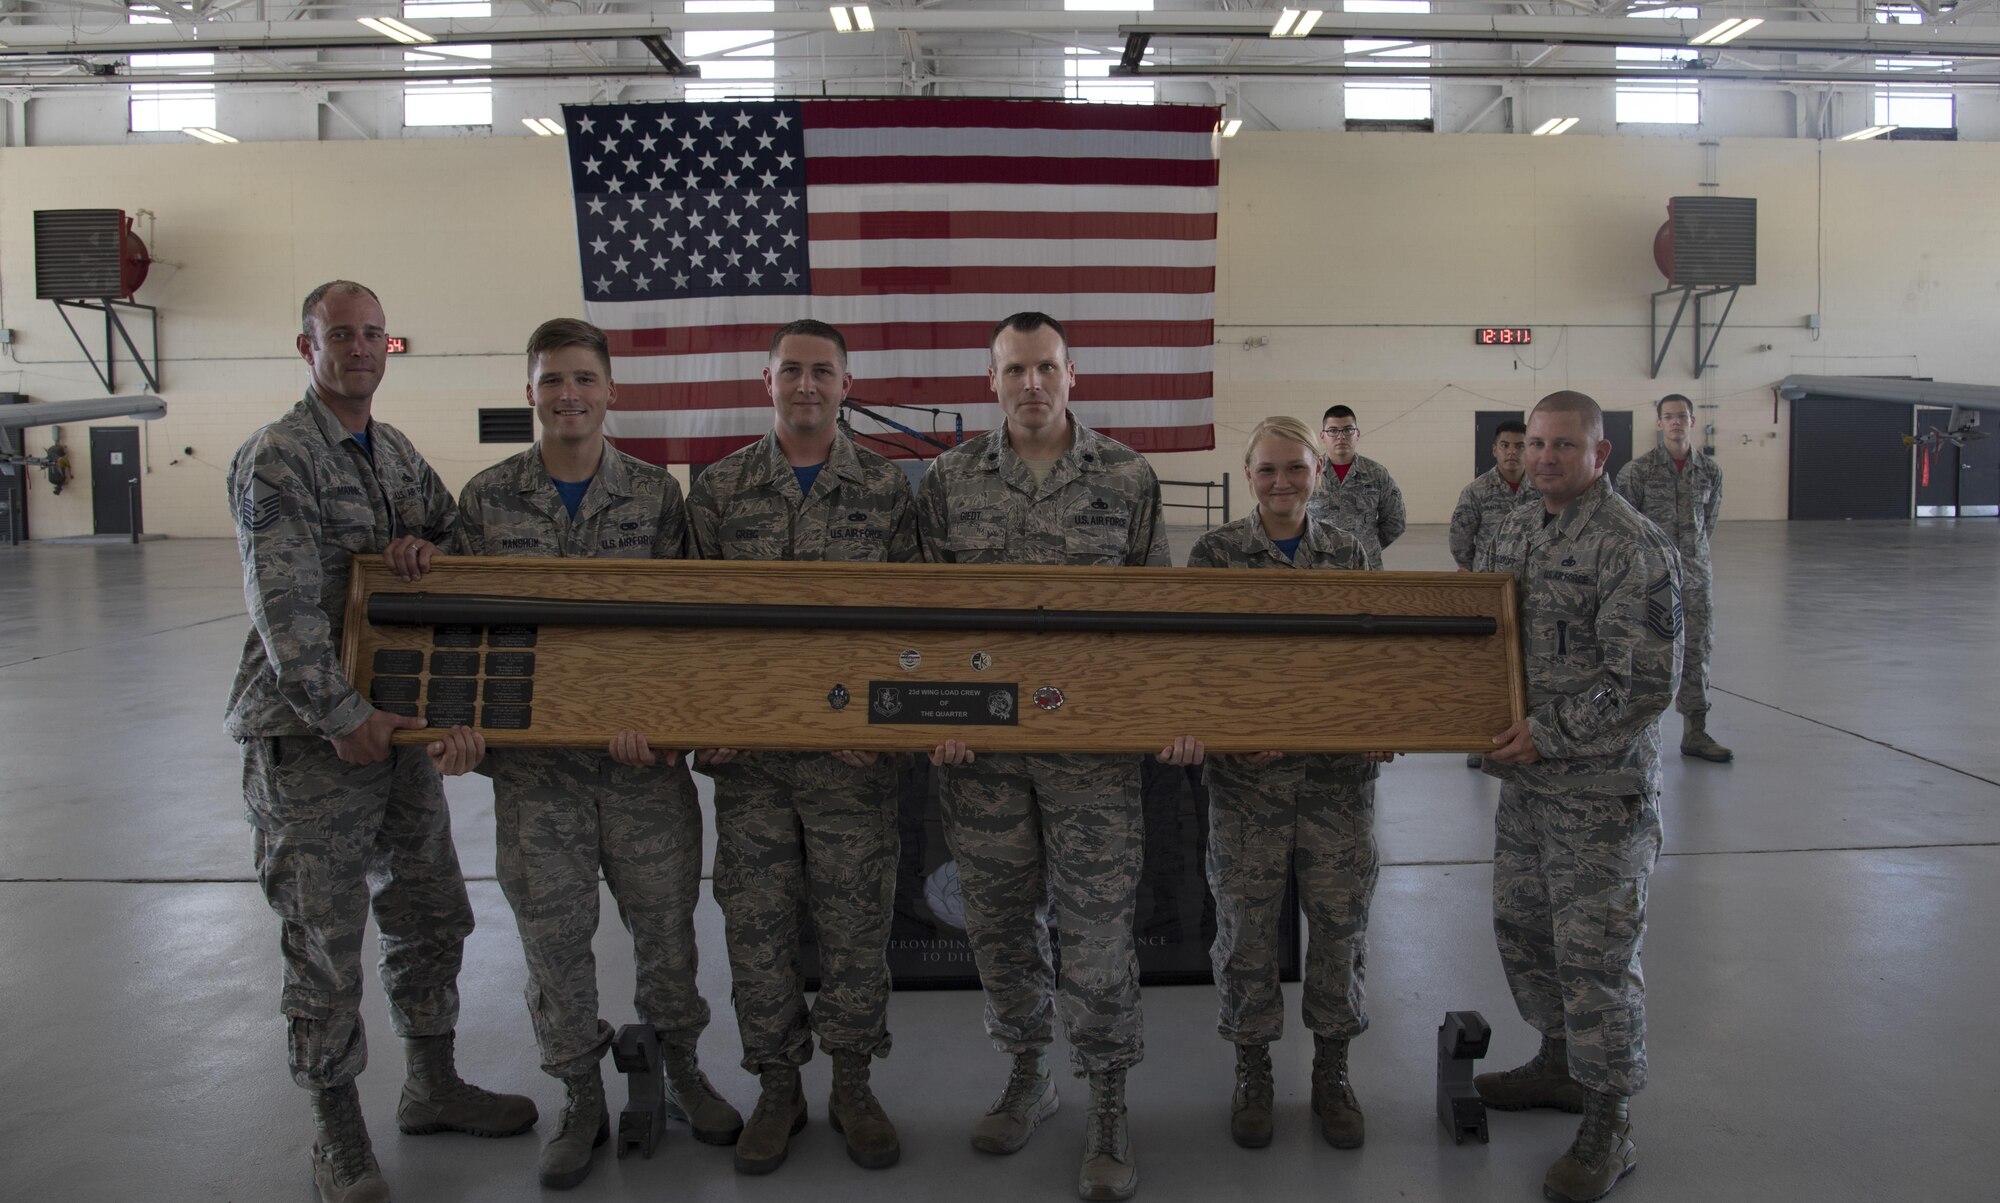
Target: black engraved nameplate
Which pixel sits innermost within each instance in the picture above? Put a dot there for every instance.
(509, 692)
(506, 718)
(454, 664)
(445, 714)
(394, 689)
(511, 636)
(398, 662)
(453, 691)
(510, 664)
(944, 703)
(455, 635)
(406, 709)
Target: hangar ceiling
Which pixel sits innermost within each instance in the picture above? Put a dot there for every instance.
(1204, 50)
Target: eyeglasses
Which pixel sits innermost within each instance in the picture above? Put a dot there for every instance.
(1340, 432)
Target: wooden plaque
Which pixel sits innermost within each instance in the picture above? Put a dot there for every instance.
(909, 689)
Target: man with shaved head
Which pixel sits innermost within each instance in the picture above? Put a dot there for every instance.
(1578, 826)
(346, 824)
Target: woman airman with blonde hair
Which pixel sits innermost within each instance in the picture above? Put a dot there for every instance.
(1273, 812)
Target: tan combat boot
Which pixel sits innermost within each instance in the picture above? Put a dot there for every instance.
(1543, 1082)
(1109, 1170)
(1029, 1098)
(780, 1113)
(1250, 1107)
(343, 1161)
(1333, 1095)
(691, 1097)
(857, 1116)
(584, 1126)
(1602, 1154)
(435, 1099)
(1696, 741)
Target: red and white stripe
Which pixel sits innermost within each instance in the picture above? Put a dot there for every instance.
(930, 220)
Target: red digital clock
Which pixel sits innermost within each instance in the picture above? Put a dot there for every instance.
(398, 345)
(1503, 336)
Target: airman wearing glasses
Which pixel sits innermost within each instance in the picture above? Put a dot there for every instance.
(1356, 494)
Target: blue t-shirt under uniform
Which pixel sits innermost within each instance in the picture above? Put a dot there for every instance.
(361, 437)
(1290, 546)
(571, 492)
(806, 477)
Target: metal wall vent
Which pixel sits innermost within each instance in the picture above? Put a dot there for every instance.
(80, 254)
(514, 424)
(1714, 240)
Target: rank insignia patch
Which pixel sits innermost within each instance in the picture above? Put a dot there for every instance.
(260, 504)
(1663, 607)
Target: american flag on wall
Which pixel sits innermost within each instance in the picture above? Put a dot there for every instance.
(912, 225)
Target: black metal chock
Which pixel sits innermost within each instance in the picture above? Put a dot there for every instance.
(1462, 1039)
(643, 1123)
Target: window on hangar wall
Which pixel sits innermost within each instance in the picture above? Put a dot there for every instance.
(1661, 103)
(1395, 100)
(1087, 70)
(748, 68)
(160, 108)
(447, 101)
(1915, 105)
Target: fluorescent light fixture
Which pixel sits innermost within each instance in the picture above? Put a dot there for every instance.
(1555, 125)
(863, 19)
(1293, 23)
(841, 21)
(1229, 127)
(1725, 31)
(1862, 135)
(396, 31)
(853, 18)
(207, 134)
(1743, 26)
(547, 127)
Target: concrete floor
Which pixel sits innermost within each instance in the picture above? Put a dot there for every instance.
(1821, 954)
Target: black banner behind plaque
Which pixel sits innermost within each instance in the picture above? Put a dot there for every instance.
(1175, 920)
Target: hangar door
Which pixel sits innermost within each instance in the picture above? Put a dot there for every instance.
(1849, 459)
(1955, 482)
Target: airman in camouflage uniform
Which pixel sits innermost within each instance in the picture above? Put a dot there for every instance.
(807, 835)
(335, 809)
(1578, 825)
(1680, 489)
(1485, 503)
(1271, 813)
(562, 814)
(1365, 502)
(1044, 489)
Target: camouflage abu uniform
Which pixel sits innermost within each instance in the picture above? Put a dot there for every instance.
(1024, 826)
(560, 814)
(1367, 505)
(1315, 812)
(804, 834)
(307, 497)
(1577, 833)
(1482, 506)
(1684, 504)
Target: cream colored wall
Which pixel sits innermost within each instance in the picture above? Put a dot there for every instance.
(469, 243)
(1368, 259)
(1364, 259)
